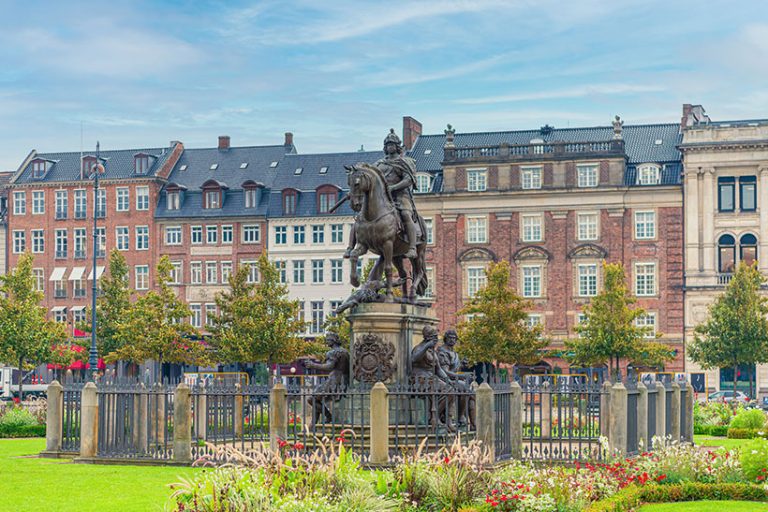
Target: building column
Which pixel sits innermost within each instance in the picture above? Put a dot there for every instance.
(709, 207)
(691, 219)
(762, 256)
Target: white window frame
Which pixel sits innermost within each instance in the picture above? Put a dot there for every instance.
(173, 235)
(143, 271)
(212, 235)
(532, 227)
(37, 237)
(318, 271)
(281, 235)
(531, 177)
(429, 225)
(318, 234)
(423, 183)
(38, 202)
(337, 271)
(177, 272)
(477, 180)
(122, 199)
(476, 280)
(299, 268)
(477, 229)
(643, 321)
(142, 198)
(429, 293)
(248, 234)
(645, 281)
(532, 281)
(20, 203)
(142, 238)
(196, 272)
(61, 203)
(122, 238)
(227, 234)
(80, 198)
(196, 319)
(38, 274)
(196, 235)
(585, 230)
(211, 272)
(173, 200)
(586, 281)
(587, 175)
(19, 241)
(210, 313)
(226, 271)
(337, 233)
(533, 320)
(648, 174)
(645, 229)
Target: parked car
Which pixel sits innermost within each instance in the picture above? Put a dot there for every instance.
(727, 396)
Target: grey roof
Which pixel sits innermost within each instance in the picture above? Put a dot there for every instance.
(671, 174)
(639, 142)
(118, 164)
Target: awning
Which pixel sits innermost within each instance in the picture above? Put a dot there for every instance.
(77, 308)
(59, 309)
(77, 273)
(99, 271)
(58, 273)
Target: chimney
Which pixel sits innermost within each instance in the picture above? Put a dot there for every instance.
(288, 143)
(411, 131)
(223, 142)
(693, 114)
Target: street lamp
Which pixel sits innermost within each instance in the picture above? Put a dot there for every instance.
(93, 355)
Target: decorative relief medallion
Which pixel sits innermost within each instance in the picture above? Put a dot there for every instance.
(374, 359)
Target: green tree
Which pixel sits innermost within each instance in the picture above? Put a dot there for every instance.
(257, 322)
(610, 332)
(157, 327)
(498, 330)
(736, 331)
(26, 336)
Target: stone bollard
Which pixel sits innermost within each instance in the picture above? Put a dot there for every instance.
(54, 416)
(661, 410)
(516, 421)
(182, 424)
(689, 399)
(238, 414)
(674, 410)
(89, 422)
(545, 400)
(278, 416)
(379, 424)
(605, 409)
(617, 428)
(486, 433)
(642, 415)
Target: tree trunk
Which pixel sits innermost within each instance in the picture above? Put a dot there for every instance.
(21, 379)
(735, 373)
(751, 382)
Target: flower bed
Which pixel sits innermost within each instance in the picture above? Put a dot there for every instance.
(20, 421)
(632, 497)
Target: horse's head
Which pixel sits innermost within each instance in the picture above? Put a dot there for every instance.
(359, 185)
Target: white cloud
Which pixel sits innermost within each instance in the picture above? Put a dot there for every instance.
(572, 92)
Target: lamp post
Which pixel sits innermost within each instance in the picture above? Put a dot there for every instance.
(93, 355)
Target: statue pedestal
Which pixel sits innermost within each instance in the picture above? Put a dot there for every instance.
(382, 338)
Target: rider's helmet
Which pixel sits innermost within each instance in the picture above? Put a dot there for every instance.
(393, 138)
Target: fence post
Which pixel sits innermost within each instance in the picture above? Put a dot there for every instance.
(238, 413)
(201, 414)
(605, 409)
(674, 410)
(546, 411)
(89, 421)
(617, 431)
(516, 421)
(278, 415)
(689, 398)
(379, 424)
(53, 419)
(642, 415)
(486, 433)
(661, 410)
(182, 424)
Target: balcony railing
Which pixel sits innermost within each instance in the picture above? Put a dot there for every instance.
(724, 279)
(546, 151)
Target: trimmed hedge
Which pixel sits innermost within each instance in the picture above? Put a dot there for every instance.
(747, 433)
(632, 497)
(22, 431)
(711, 430)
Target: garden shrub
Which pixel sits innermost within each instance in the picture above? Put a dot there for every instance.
(747, 433)
(22, 431)
(718, 430)
(632, 497)
(17, 417)
(749, 418)
(754, 459)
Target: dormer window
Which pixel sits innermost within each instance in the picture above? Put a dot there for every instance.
(648, 174)
(38, 169)
(289, 202)
(141, 163)
(213, 194)
(327, 195)
(423, 183)
(173, 200)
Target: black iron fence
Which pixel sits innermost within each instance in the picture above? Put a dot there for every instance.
(70, 432)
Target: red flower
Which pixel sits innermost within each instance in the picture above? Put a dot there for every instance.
(298, 446)
(661, 477)
(446, 460)
(760, 478)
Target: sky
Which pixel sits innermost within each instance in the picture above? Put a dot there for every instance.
(339, 74)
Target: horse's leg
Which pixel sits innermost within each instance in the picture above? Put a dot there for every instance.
(403, 275)
(354, 278)
(418, 270)
(386, 255)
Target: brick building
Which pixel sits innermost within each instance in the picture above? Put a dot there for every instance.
(555, 203)
(4, 178)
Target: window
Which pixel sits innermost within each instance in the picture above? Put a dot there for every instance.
(253, 271)
(122, 203)
(530, 178)
(60, 313)
(211, 272)
(327, 200)
(101, 203)
(289, 202)
(318, 233)
(226, 234)
(648, 175)
(141, 164)
(429, 293)
(176, 273)
(251, 197)
(196, 272)
(210, 314)
(61, 204)
(280, 266)
(337, 233)
(251, 234)
(532, 281)
(587, 226)
(121, 237)
(19, 241)
(648, 320)
(318, 267)
(281, 235)
(142, 277)
(226, 271)
(532, 228)
(81, 204)
(726, 191)
(38, 241)
(80, 242)
(336, 271)
(142, 198)
(173, 200)
(748, 193)
(533, 320)
(301, 315)
(298, 272)
(61, 243)
(586, 175)
(59, 289)
(298, 235)
(645, 279)
(212, 199)
(212, 235)
(476, 180)
(195, 319)
(645, 225)
(423, 183)
(318, 317)
(172, 235)
(101, 242)
(726, 246)
(142, 238)
(38, 169)
(429, 226)
(477, 232)
(748, 248)
(38, 202)
(196, 234)
(78, 288)
(39, 276)
(588, 280)
(19, 203)
(475, 280)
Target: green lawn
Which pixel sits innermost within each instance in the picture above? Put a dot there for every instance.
(707, 506)
(58, 485)
(723, 442)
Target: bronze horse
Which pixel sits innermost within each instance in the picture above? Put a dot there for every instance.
(378, 229)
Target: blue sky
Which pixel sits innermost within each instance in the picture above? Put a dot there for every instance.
(339, 74)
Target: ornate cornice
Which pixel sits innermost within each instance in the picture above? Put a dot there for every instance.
(698, 147)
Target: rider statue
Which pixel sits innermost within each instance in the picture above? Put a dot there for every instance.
(337, 365)
(400, 173)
